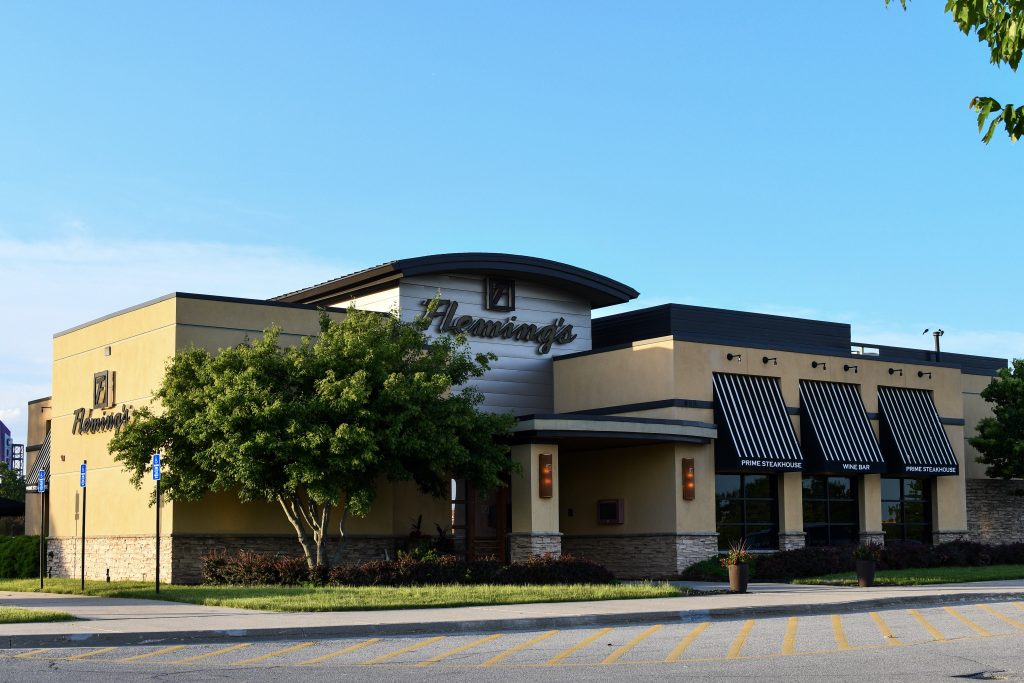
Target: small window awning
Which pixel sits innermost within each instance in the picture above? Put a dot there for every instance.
(835, 431)
(42, 462)
(758, 436)
(913, 440)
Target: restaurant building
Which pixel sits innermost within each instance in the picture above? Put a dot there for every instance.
(647, 440)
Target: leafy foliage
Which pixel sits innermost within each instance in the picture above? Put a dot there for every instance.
(19, 557)
(12, 484)
(999, 24)
(1000, 438)
(316, 427)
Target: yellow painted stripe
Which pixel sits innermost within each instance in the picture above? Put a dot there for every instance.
(839, 633)
(686, 642)
(410, 648)
(935, 633)
(789, 640)
(332, 655)
(518, 648)
(275, 653)
(890, 639)
(32, 653)
(1008, 620)
(91, 653)
(565, 654)
(617, 655)
(444, 655)
(222, 651)
(1019, 605)
(970, 624)
(155, 653)
(741, 639)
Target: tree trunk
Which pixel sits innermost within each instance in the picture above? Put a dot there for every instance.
(293, 513)
(341, 533)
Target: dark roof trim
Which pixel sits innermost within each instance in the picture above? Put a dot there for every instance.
(526, 437)
(183, 295)
(40, 400)
(968, 364)
(594, 417)
(646, 405)
(598, 289)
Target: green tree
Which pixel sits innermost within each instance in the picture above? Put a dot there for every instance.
(12, 484)
(1000, 438)
(1000, 25)
(318, 426)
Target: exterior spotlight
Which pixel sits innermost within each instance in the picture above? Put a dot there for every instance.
(546, 472)
(766, 360)
(734, 356)
(847, 368)
(816, 364)
(896, 371)
(689, 481)
(922, 373)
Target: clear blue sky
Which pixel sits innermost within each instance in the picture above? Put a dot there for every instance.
(810, 158)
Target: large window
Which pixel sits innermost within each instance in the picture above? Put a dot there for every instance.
(747, 507)
(830, 510)
(907, 510)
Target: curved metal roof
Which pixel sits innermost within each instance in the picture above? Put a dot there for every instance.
(598, 289)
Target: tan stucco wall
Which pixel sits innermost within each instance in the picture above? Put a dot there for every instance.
(975, 408)
(530, 512)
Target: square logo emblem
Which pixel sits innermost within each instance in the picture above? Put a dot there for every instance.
(103, 390)
(500, 294)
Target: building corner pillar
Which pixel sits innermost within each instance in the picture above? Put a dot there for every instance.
(535, 530)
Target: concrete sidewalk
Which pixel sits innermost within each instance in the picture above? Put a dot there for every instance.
(115, 621)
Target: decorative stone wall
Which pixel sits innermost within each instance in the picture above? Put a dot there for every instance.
(947, 536)
(995, 510)
(792, 540)
(643, 556)
(134, 557)
(523, 546)
(868, 537)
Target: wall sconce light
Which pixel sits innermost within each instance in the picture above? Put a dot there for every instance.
(546, 473)
(896, 371)
(106, 351)
(816, 364)
(734, 356)
(847, 368)
(766, 360)
(689, 480)
(922, 373)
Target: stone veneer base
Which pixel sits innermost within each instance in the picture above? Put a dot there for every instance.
(792, 540)
(523, 546)
(643, 556)
(868, 537)
(995, 510)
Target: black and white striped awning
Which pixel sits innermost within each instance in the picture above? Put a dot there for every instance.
(758, 433)
(836, 435)
(913, 440)
(42, 461)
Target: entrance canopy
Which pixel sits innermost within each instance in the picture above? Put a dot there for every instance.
(759, 436)
(837, 437)
(913, 440)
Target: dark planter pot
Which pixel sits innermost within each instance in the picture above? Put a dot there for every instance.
(739, 574)
(865, 573)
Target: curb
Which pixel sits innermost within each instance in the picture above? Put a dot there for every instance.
(510, 624)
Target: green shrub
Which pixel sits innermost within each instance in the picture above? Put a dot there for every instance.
(19, 557)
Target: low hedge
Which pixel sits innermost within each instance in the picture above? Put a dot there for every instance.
(802, 563)
(19, 557)
(252, 568)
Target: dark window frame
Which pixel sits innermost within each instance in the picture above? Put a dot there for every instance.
(897, 531)
(827, 500)
(745, 523)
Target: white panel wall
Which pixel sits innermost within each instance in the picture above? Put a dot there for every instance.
(520, 381)
(383, 302)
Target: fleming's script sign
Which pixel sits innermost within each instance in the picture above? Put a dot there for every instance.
(557, 332)
(102, 400)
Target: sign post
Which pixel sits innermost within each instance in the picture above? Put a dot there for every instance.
(41, 490)
(81, 482)
(156, 478)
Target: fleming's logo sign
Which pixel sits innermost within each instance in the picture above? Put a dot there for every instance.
(102, 400)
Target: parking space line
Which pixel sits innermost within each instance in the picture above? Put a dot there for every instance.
(444, 655)
(741, 639)
(970, 624)
(222, 651)
(345, 651)
(998, 615)
(275, 653)
(410, 648)
(91, 653)
(686, 642)
(617, 655)
(838, 633)
(32, 653)
(789, 640)
(166, 650)
(935, 633)
(518, 648)
(565, 654)
(883, 627)
(1019, 605)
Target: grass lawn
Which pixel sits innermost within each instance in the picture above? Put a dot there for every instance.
(928, 575)
(17, 615)
(335, 598)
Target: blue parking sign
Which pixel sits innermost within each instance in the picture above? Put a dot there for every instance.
(41, 487)
(81, 476)
(156, 467)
